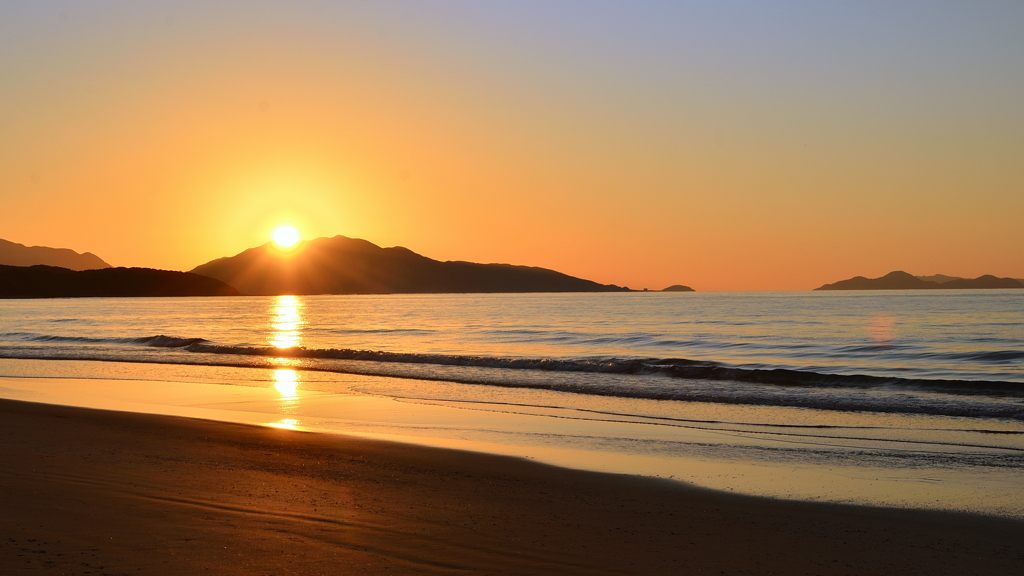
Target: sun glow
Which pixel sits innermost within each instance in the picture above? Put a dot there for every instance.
(286, 236)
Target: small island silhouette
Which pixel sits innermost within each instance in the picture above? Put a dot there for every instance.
(678, 288)
(342, 265)
(899, 280)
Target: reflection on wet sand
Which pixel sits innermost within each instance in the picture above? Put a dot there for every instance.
(286, 382)
(287, 423)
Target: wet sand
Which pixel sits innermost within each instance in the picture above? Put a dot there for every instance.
(97, 492)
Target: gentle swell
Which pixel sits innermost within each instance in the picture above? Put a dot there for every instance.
(158, 341)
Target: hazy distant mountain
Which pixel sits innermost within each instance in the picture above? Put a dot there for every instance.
(54, 282)
(678, 288)
(14, 254)
(904, 281)
(341, 265)
(986, 281)
(940, 278)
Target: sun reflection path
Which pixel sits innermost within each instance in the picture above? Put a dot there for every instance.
(286, 322)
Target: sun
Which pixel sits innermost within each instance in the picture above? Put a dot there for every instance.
(286, 236)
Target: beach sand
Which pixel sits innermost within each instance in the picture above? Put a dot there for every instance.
(87, 491)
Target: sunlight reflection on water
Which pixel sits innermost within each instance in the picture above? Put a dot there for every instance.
(286, 322)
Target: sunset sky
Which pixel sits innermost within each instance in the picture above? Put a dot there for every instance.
(722, 145)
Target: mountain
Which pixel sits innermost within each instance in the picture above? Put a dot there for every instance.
(54, 282)
(342, 265)
(14, 254)
(678, 288)
(903, 281)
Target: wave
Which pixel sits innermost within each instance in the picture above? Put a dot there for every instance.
(678, 379)
(894, 401)
(161, 341)
(679, 368)
(671, 367)
(995, 357)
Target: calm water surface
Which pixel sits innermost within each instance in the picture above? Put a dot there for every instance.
(812, 349)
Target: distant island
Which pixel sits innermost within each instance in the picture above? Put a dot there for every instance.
(678, 288)
(903, 281)
(942, 278)
(54, 282)
(342, 265)
(14, 254)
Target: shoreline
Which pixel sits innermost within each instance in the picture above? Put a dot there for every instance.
(83, 488)
(578, 432)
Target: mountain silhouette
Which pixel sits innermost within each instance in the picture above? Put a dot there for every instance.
(342, 265)
(14, 254)
(54, 282)
(904, 281)
(678, 288)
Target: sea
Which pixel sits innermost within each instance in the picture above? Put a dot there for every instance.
(897, 398)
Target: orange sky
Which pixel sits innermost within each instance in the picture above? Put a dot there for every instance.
(726, 147)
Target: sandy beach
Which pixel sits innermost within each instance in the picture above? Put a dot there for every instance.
(98, 492)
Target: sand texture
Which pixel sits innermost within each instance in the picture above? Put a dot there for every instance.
(97, 492)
